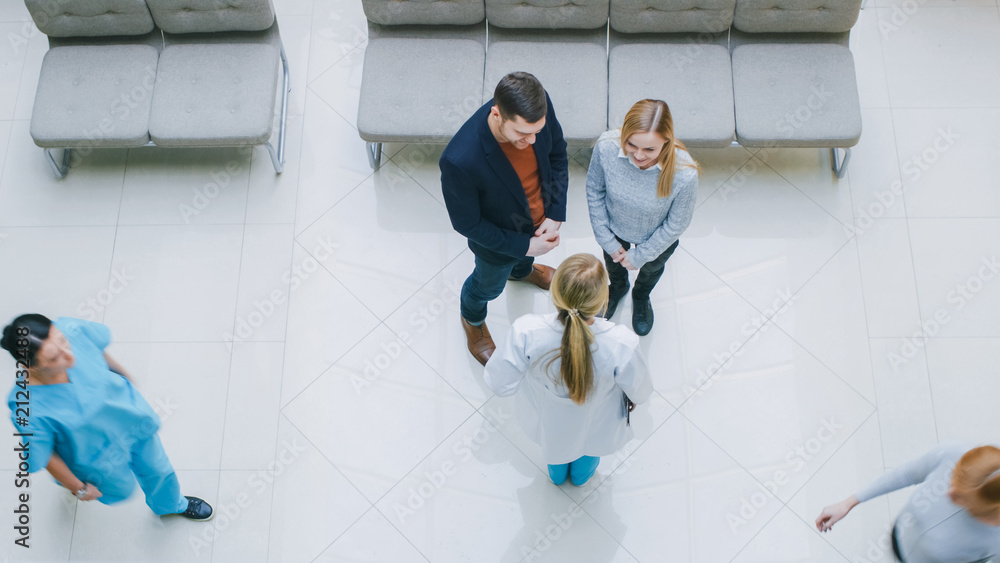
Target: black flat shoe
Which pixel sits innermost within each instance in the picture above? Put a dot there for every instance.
(642, 316)
(614, 298)
(198, 510)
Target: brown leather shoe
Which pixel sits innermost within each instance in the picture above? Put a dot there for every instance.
(541, 276)
(480, 342)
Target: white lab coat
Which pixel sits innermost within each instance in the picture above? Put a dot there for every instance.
(566, 431)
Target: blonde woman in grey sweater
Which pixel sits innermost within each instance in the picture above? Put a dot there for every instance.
(641, 189)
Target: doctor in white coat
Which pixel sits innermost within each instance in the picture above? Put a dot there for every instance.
(576, 375)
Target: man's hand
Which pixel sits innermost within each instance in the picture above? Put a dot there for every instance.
(540, 245)
(619, 255)
(628, 265)
(548, 227)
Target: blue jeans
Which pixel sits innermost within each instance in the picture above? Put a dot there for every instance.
(580, 471)
(486, 284)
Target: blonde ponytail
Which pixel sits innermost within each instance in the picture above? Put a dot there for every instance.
(579, 292)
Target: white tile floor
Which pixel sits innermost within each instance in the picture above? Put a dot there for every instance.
(300, 334)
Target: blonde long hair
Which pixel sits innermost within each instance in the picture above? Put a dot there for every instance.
(579, 291)
(654, 116)
(975, 482)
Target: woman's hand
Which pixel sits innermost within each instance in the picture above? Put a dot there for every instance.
(834, 513)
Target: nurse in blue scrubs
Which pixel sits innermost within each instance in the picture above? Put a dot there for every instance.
(85, 422)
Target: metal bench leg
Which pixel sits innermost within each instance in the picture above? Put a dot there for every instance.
(278, 154)
(839, 168)
(374, 155)
(60, 168)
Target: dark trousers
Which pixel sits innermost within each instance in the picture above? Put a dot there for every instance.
(649, 273)
(487, 282)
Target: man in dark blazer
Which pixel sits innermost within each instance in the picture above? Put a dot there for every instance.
(504, 176)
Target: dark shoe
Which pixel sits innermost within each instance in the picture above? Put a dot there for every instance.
(540, 276)
(198, 510)
(642, 316)
(614, 297)
(480, 342)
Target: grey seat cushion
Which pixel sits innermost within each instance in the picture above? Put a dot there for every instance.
(792, 95)
(671, 16)
(419, 89)
(827, 16)
(696, 84)
(548, 14)
(208, 16)
(214, 95)
(94, 96)
(424, 12)
(90, 18)
(574, 74)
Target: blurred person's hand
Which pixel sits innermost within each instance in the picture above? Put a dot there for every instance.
(834, 513)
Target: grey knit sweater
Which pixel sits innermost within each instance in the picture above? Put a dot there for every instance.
(623, 202)
(931, 528)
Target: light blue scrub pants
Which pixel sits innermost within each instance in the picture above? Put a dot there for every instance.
(580, 471)
(149, 464)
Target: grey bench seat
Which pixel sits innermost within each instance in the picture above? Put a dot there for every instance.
(698, 84)
(760, 73)
(214, 95)
(94, 96)
(796, 95)
(130, 73)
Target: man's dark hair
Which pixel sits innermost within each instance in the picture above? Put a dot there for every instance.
(23, 337)
(521, 94)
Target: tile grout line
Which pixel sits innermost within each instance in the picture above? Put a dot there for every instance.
(824, 464)
(232, 349)
(373, 504)
(291, 263)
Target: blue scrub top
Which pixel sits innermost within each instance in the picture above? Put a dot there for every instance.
(93, 421)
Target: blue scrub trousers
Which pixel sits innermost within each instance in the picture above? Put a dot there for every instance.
(149, 464)
(580, 471)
